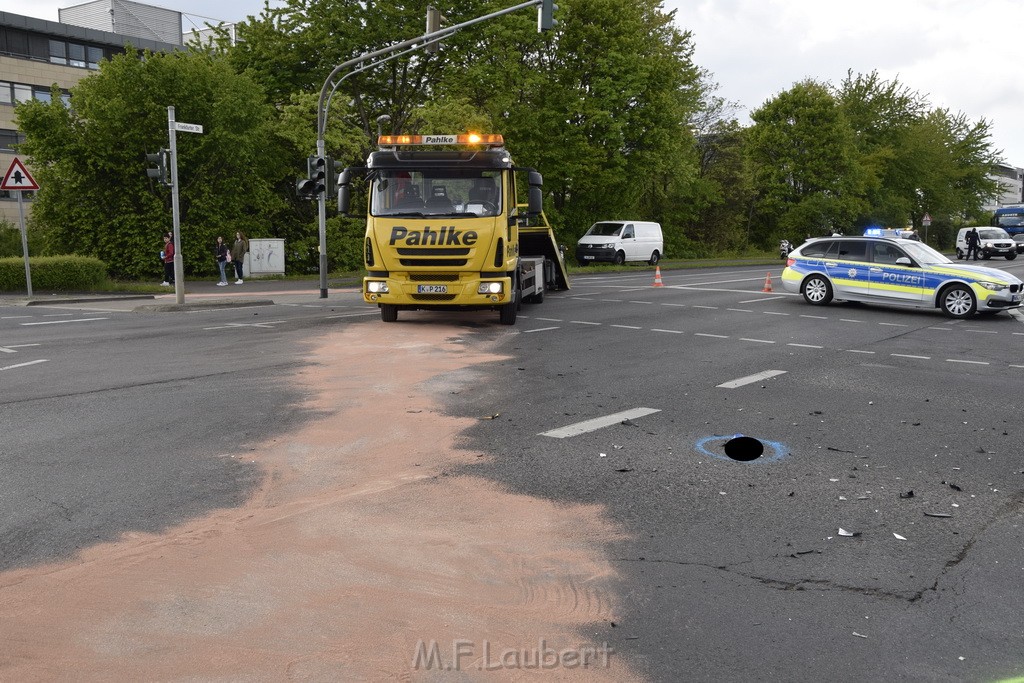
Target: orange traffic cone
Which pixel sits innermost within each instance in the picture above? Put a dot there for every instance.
(657, 277)
(767, 283)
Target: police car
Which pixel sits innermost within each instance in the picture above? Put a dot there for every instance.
(896, 271)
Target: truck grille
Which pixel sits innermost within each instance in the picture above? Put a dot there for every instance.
(440, 262)
(433, 297)
(434, 277)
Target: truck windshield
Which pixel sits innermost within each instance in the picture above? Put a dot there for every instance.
(436, 192)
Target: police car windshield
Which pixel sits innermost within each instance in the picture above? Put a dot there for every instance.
(922, 253)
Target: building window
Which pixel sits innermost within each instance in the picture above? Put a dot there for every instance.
(42, 94)
(58, 52)
(22, 93)
(76, 54)
(8, 139)
(5, 93)
(95, 55)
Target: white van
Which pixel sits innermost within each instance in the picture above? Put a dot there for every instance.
(993, 242)
(621, 241)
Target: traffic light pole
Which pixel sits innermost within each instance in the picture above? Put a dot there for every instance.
(544, 22)
(179, 270)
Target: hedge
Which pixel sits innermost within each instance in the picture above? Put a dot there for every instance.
(53, 274)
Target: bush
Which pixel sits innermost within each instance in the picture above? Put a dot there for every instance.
(53, 274)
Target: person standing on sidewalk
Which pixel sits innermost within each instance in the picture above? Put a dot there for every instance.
(238, 251)
(168, 258)
(220, 251)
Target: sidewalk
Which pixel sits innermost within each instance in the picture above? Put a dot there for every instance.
(198, 294)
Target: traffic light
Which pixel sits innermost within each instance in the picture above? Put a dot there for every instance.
(546, 15)
(321, 177)
(158, 167)
(434, 19)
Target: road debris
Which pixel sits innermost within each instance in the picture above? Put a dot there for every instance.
(898, 537)
(908, 494)
(844, 532)
(859, 635)
(937, 514)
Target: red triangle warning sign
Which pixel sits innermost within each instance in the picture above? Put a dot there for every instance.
(18, 177)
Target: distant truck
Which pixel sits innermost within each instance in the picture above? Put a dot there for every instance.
(444, 229)
(1011, 219)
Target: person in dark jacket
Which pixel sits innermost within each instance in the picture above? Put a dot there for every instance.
(238, 251)
(220, 251)
(973, 242)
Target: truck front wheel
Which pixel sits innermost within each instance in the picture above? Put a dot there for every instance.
(388, 313)
(507, 312)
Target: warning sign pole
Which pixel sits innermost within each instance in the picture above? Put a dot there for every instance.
(18, 179)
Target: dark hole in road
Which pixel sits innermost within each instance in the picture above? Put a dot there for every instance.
(744, 448)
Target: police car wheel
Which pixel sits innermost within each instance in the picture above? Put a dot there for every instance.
(816, 290)
(957, 301)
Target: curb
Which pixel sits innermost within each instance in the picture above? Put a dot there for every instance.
(198, 306)
(87, 299)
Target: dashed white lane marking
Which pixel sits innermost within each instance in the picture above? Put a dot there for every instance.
(715, 336)
(749, 379)
(598, 423)
(658, 329)
(858, 351)
(707, 308)
(679, 305)
(907, 355)
(57, 315)
(757, 301)
(641, 302)
(739, 310)
(583, 322)
(815, 317)
(774, 313)
(14, 317)
(806, 346)
(894, 324)
(21, 365)
(264, 324)
(1017, 366)
(758, 341)
(58, 322)
(970, 362)
(541, 329)
(350, 315)
(849, 320)
(627, 327)
(981, 331)
(549, 320)
(12, 348)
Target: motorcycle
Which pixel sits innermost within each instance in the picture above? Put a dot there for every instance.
(784, 248)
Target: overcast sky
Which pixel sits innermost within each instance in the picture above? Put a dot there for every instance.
(945, 49)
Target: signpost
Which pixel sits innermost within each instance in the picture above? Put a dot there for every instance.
(18, 179)
(926, 221)
(172, 127)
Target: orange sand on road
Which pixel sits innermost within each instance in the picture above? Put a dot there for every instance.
(356, 557)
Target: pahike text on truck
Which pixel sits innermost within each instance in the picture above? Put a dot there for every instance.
(445, 230)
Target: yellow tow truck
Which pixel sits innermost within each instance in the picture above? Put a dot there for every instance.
(444, 229)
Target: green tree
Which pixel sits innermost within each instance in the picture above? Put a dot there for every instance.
(805, 165)
(95, 198)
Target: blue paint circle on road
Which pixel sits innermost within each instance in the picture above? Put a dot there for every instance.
(773, 451)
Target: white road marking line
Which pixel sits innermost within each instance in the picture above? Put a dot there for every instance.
(613, 301)
(858, 351)
(21, 365)
(815, 317)
(1017, 366)
(265, 325)
(641, 302)
(759, 341)
(627, 327)
(981, 331)
(757, 301)
(680, 305)
(944, 329)
(58, 315)
(907, 355)
(774, 313)
(58, 322)
(583, 322)
(749, 379)
(541, 329)
(739, 310)
(709, 308)
(14, 317)
(350, 315)
(598, 423)
(894, 324)
(849, 320)
(550, 320)
(715, 336)
(806, 346)
(970, 362)
(658, 329)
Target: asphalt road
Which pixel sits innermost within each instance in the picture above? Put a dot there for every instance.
(727, 569)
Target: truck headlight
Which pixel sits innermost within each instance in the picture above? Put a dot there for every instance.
(377, 287)
(489, 288)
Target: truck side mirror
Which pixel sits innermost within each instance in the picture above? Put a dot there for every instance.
(344, 189)
(535, 199)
